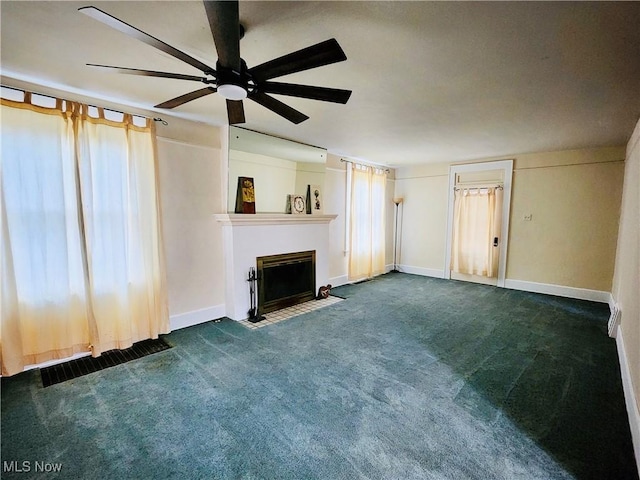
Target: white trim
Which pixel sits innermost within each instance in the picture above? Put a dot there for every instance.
(559, 290)
(507, 167)
(629, 397)
(338, 281)
(611, 302)
(546, 288)
(425, 272)
(185, 144)
(87, 96)
(614, 319)
(57, 361)
(188, 319)
(240, 219)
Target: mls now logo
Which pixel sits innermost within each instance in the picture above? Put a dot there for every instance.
(27, 466)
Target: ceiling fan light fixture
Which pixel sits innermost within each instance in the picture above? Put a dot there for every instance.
(232, 92)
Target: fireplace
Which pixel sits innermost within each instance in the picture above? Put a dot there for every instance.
(285, 280)
(247, 237)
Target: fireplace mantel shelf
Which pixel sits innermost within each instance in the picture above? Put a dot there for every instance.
(246, 219)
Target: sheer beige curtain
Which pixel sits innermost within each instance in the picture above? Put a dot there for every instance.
(367, 225)
(82, 257)
(476, 222)
(44, 309)
(122, 230)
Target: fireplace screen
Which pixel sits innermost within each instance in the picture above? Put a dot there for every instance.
(285, 280)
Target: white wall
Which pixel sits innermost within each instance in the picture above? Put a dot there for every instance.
(626, 286)
(189, 172)
(191, 175)
(274, 179)
(335, 203)
(567, 248)
(423, 218)
(574, 199)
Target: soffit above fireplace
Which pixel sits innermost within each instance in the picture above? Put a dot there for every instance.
(241, 219)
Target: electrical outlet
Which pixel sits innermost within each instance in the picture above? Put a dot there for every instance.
(528, 217)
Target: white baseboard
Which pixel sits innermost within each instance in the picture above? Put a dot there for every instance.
(559, 290)
(547, 288)
(611, 302)
(629, 397)
(337, 281)
(614, 319)
(425, 272)
(189, 319)
(57, 361)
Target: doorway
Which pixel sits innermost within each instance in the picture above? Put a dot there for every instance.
(478, 222)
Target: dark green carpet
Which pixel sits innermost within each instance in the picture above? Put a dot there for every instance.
(410, 377)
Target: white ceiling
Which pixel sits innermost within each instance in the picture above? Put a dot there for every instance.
(431, 81)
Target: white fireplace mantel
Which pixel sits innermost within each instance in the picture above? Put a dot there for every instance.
(249, 236)
(239, 219)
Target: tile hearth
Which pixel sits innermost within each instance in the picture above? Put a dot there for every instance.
(290, 312)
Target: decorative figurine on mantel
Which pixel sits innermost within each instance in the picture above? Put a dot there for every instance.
(314, 201)
(245, 196)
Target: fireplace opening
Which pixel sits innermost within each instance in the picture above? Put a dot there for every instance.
(285, 280)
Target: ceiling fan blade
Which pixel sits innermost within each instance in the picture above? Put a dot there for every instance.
(182, 99)
(224, 21)
(278, 107)
(306, 91)
(149, 73)
(132, 31)
(323, 53)
(235, 111)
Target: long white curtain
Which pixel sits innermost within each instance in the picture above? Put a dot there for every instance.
(82, 260)
(367, 222)
(476, 222)
(44, 311)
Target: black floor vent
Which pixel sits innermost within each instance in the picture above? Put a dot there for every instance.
(85, 365)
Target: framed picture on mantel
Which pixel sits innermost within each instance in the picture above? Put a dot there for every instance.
(297, 204)
(245, 196)
(316, 199)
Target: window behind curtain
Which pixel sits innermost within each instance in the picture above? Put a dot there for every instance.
(81, 246)
(476, 222)
(367, 222)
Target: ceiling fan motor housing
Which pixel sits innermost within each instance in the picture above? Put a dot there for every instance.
(231, 84)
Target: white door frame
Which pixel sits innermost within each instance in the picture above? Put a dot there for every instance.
(507, 167)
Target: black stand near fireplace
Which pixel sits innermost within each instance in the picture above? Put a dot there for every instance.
(254, 316)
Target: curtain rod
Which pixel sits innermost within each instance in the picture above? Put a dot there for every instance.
(155, 119)
(479, 187)
(381, 167)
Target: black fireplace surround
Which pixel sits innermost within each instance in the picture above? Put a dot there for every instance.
(285, 280)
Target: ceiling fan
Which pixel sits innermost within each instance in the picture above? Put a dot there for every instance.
(232, 78)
